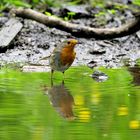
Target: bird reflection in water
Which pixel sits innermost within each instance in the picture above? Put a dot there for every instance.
(61, 100)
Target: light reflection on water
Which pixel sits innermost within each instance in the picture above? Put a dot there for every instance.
(34, 107)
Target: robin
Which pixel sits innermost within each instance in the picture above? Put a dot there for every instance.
(63, 56)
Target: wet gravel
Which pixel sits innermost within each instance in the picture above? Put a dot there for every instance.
(36, 41)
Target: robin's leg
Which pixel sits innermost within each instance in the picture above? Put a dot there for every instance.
(52, 71)
(63, 82)
(51, 82)
(63, 75)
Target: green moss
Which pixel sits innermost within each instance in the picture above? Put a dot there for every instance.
(136, 2)
(18, 3)
(112, 11)
(48, 13)
(69, 16)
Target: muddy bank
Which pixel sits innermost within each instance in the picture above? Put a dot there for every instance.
(36, 41)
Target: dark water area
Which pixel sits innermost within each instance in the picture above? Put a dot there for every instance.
(33, 107)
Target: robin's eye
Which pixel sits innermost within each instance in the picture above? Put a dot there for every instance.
(68, 42)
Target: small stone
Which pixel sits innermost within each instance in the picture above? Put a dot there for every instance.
(99, 76)
(92, 64)
(138, 34)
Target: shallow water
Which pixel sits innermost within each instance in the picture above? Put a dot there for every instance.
(32, 107)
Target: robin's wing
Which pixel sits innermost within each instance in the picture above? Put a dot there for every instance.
(55, 58)
(57, 49)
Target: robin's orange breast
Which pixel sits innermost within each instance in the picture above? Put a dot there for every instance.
(67, 56)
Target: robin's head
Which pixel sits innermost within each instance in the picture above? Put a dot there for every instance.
(71, 43)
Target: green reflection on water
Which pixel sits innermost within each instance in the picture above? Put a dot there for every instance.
(34, 108)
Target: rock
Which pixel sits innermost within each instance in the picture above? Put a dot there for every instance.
(3, 20)
(79, 10)
(97, 52)
(93, 10)
(99, 76)
(35, 69)
(8, 32)
(92, 64)
(97, 49)
(138, 34)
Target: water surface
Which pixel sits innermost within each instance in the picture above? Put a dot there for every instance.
(32, 107)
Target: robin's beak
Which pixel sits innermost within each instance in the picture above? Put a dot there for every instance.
(74, 41)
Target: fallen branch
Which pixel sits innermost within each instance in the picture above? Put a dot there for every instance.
(78, 30)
